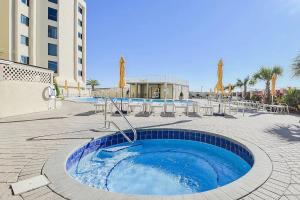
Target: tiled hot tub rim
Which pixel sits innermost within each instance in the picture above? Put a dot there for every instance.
(154, 134)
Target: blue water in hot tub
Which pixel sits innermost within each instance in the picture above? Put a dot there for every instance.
(160, 167)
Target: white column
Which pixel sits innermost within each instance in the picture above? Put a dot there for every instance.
(16, 36)
(32, 32)
(75, 40)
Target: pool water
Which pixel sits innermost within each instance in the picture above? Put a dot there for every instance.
(136, 100)
(159, 167)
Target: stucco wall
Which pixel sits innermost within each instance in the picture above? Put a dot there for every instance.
(18, 98)
(4, 33)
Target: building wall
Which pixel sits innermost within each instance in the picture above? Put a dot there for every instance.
(21, 98)
(24, 89)
(67, 41)
(4, 33)
(173, 90)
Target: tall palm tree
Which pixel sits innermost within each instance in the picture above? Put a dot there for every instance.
(265, 74)
(244, 83)
(296, 67)
(92, 83)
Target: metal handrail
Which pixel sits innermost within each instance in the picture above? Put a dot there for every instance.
(131, 127)
(121, 131)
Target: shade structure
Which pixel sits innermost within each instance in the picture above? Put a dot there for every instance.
(273, 90)
(219, 86)
(66, 85)
(122, 73)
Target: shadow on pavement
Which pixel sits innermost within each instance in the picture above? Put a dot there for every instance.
(286, 132)
(31, 120)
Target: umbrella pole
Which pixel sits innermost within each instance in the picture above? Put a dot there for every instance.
(121, 101)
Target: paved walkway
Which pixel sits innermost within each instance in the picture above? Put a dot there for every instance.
(27, 141)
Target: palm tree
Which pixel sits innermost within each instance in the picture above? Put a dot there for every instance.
(265, 74)
(92, 83)
(229, 85)
(243, 83)
(296, 67)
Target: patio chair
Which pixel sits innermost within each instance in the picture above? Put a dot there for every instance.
(169, 104)
(99, 106)
(184, 105)
(132, 105)
(152, 105)
(207, 109)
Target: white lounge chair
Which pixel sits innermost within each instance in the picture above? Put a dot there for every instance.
(169, 104)
(133, 105)
(184, 105)
(153, 105)
(99, 106)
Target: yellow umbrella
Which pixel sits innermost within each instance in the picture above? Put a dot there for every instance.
(66, 85)
(122, 79)
(219, 87)
(78, 86)
(122, 74)
(274, 79)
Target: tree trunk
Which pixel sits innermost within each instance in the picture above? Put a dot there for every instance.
(245, 91)
(93, 88)
(268, 93)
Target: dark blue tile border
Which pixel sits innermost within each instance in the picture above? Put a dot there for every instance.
(152, 134)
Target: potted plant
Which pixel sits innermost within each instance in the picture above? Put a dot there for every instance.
(180, 96)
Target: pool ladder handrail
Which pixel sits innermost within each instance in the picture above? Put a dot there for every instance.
(116, 126)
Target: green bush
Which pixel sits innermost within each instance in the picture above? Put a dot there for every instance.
(292, 98)
(56, 88)
(255, 97)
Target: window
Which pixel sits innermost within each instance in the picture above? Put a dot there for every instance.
(24, 20)
(52, 49)
(79, 9)
(52, 14)
(80, 73)
(24, 40)
(80, 60)
(25, 60)
(26, 2)
(80, 22)
(52, 65)
(53, 1)
(80, 35)
(80, 48)
(52, 32)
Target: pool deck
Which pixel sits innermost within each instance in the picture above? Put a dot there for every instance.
(26, 143)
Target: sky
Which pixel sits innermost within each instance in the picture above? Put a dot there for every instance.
(186, 39)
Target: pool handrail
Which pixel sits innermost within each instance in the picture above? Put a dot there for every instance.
(121, 113)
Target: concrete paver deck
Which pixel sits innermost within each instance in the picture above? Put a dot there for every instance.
(26, 142)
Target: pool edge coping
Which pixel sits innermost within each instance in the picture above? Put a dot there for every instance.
(64, 185)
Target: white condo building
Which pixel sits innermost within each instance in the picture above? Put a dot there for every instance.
(46, 33)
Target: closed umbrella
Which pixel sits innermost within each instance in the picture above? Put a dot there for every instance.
(219, 88)
(66, 87)
(122, 78)
(273, 91)
(78, 88)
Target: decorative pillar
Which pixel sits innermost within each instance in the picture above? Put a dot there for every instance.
(32, 32)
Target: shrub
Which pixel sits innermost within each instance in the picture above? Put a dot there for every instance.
(256, 98)
(56, 88)
(292, 98)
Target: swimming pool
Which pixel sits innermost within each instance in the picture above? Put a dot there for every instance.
(162, 162)
(135, 100)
